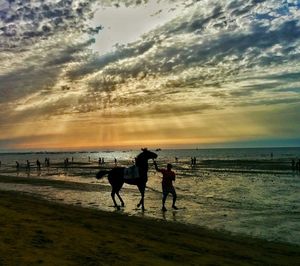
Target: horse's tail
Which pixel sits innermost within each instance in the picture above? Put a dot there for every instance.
(100, 174)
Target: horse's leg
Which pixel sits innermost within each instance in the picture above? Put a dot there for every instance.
(139, 204)
(117, 189)
(113, 192)
(141, 200)
(122, 202)
(142, 191)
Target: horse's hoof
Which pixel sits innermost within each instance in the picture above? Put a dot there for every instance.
(138, 205)
(143, 209)
(122, 205)
(118, 207)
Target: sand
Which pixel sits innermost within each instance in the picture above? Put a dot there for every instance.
(37, 232)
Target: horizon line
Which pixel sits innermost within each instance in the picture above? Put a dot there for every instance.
(135, 149)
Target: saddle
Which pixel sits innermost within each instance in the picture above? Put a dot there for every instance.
(131, 172)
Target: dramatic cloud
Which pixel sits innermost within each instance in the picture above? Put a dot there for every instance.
(206, 59)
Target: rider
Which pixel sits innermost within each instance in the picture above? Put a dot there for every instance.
(167, 184)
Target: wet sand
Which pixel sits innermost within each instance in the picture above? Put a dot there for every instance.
(37, 232)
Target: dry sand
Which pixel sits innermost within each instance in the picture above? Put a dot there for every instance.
(37, 232)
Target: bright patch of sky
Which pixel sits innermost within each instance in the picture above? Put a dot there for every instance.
(124, 25)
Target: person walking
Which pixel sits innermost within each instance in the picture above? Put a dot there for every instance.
(27, 165)
(38, 165)
(167, 185)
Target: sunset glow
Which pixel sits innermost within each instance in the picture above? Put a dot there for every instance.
(109, 74)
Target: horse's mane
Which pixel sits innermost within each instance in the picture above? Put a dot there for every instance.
(141, 161)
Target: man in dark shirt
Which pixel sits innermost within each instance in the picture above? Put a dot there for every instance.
(167, 184)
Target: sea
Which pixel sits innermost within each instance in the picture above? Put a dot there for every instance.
(253, 192)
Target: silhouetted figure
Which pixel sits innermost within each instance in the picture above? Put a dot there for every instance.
(293, 165)
(27, 165)
(193, 161)
(99, 161)
(66, 162)
(167, 184)
(47, 162)
(297, 166)
(89, 159)
(103, 160)
(116, 161)
(17, 166)
(38, 165)
(116, 177)
(176, 160)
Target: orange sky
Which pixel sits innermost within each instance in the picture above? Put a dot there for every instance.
(157, 74)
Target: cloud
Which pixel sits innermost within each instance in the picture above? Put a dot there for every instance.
(212, 43)
(216, 55)
(38, 40)
(224, 39)
(26, 22)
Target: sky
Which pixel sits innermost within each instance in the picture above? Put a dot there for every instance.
(88, 74)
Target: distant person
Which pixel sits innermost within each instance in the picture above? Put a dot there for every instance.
(176, 160)
(89, 159)
(17, 166)
(47, 162)
(38, 165)
(293, 165)
(167, 185)
(116, 161)
(297, 166)
(66, 162)
(103, 160)
(99, 161)
(193, 161)
(27, 165)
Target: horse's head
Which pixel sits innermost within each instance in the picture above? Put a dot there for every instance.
(142, 161)
(148, 154)
(143, 157)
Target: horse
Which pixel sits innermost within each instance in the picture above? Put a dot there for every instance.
(116, 177)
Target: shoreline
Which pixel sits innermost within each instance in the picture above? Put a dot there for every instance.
(96, 196)
(35, 231)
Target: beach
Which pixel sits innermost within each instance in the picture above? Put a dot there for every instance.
(39, 232)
